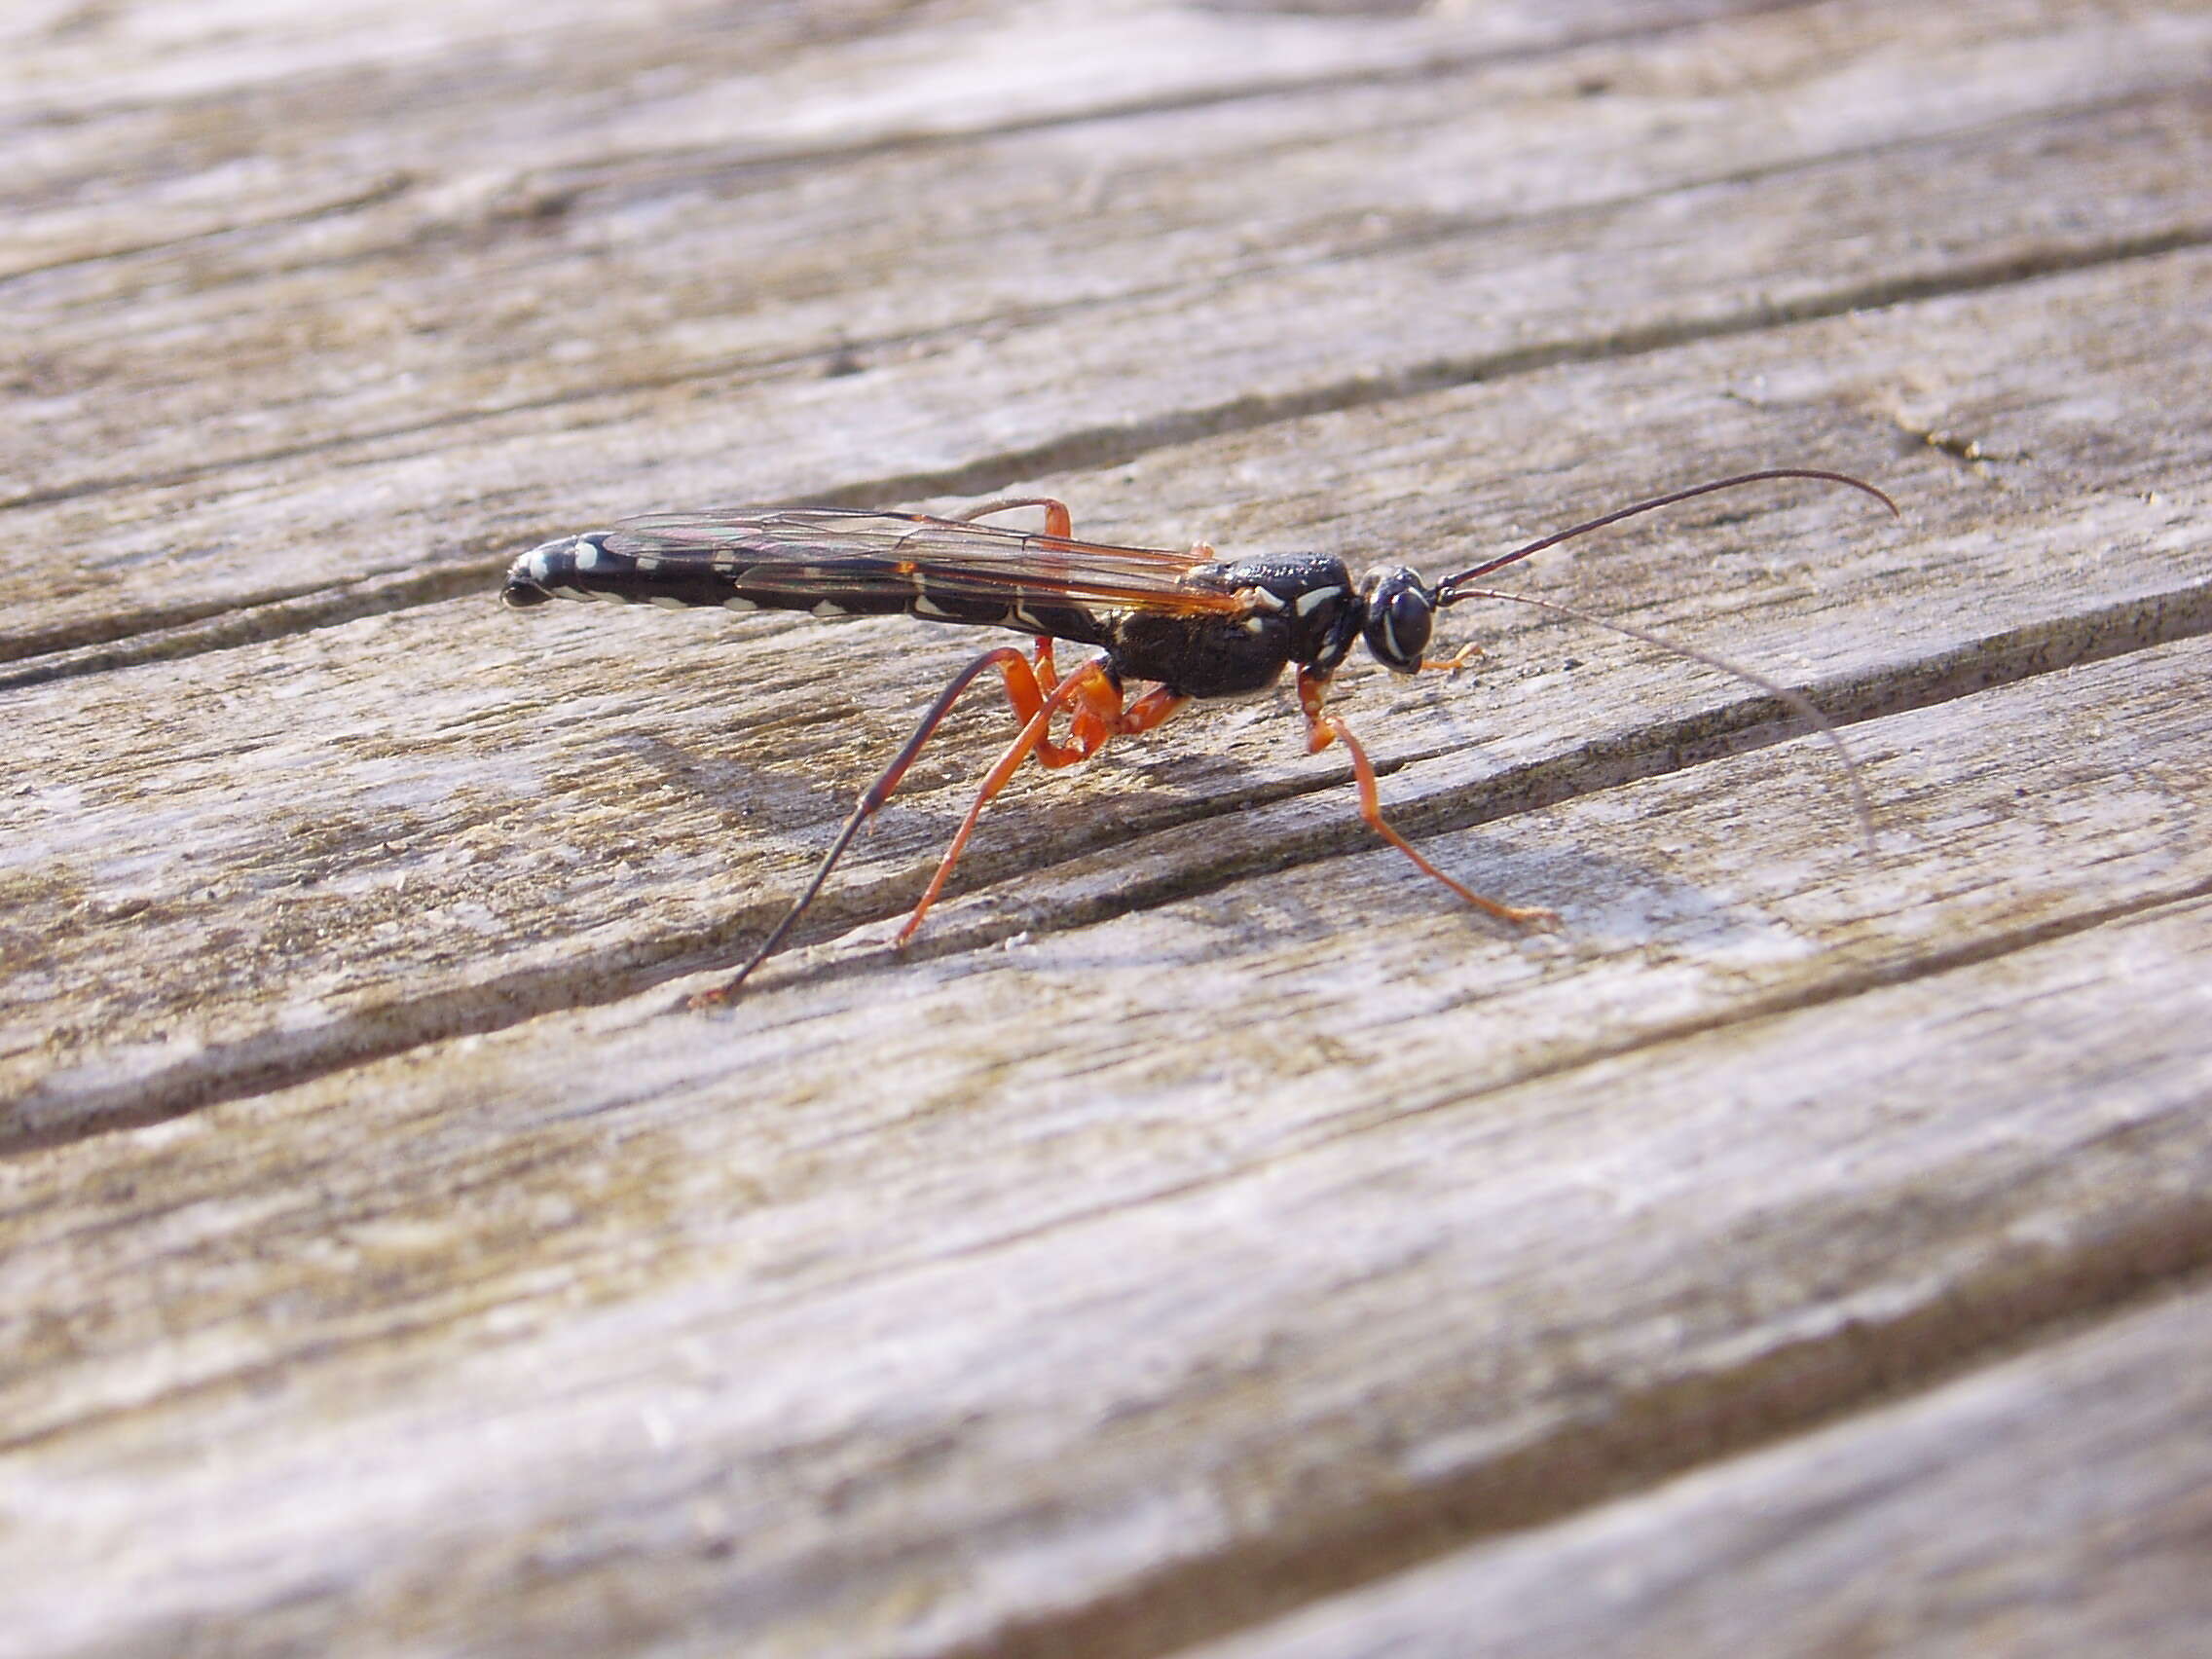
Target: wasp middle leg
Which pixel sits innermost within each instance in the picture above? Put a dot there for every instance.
(1099, 715)
(1030, 701)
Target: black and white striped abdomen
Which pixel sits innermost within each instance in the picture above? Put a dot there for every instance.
(584, 567)
(740, 580)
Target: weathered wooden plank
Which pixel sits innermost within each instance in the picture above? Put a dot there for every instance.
(868, 1320)
(759, 83)
(660, 243)
(2053, 1506)
(692, 346)
(444, 818)
(1253, 1226)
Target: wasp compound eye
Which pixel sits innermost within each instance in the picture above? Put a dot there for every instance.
(1400, 613)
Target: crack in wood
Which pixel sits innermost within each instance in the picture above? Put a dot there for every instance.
(387, 188)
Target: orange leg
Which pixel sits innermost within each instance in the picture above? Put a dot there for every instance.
(1458, 660)
(1029, 691)
(1059, 525)
(1099, 715)
(1028, 698)
(1322, 729)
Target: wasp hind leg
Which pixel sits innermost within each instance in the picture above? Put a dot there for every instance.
(1059, 525)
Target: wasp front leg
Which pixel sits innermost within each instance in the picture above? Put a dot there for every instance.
(1323, 729)
(1453, 663)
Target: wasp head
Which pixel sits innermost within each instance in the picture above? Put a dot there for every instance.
(1400, 611)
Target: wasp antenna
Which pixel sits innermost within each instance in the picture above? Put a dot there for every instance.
(1796, 701)
(1448, 590)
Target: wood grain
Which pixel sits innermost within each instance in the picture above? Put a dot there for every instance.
(1207, 1232)
(454, 409)
(815, 1302)
(523, 817)
(2054, 1505)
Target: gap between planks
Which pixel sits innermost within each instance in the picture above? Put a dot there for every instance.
(272, 1060)
(176, 631)
(1903, 1518)
(661, 168)
(162, 637)
(2011, 1294)
(1783, 1395)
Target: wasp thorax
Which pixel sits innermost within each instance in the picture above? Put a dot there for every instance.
(1400, 613)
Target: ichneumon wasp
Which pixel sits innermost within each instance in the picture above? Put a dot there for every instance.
(1192, 625)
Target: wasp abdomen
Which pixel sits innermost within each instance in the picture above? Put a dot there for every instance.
(736, 578)
(584, 567)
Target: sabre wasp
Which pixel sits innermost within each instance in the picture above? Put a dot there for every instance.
(1192, 625)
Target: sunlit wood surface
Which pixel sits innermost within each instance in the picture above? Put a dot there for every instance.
(1208, 1236)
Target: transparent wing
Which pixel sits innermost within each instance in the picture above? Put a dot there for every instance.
(802, 550)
